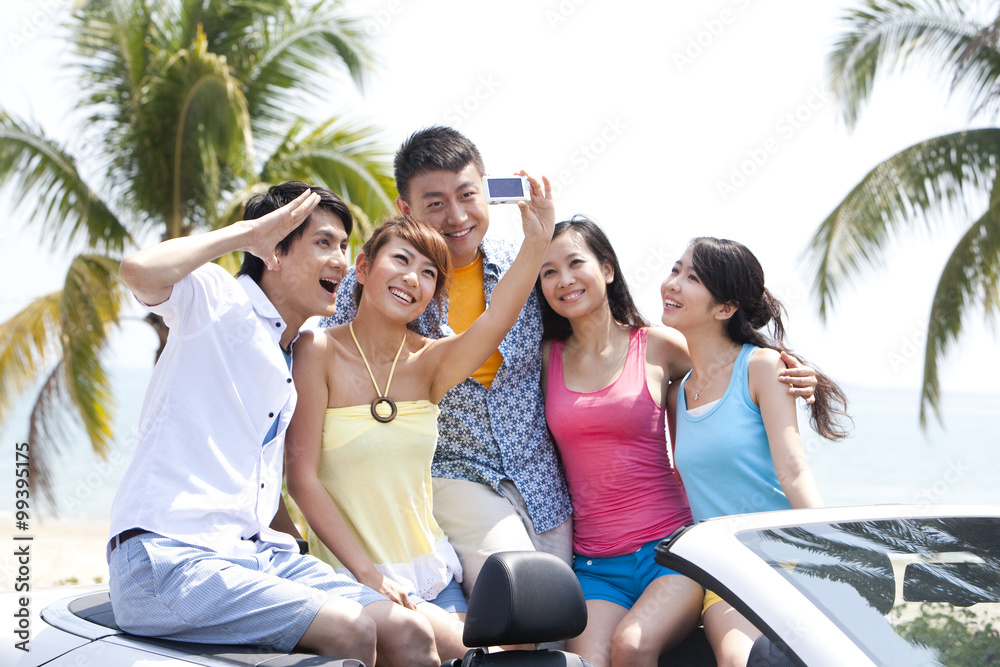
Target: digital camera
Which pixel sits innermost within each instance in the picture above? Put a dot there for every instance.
(506, 189)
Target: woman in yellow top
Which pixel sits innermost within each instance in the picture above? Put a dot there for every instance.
(359, 447)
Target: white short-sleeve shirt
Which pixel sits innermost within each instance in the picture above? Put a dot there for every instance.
(202, 472)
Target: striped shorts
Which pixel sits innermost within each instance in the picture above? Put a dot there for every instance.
(161, 587)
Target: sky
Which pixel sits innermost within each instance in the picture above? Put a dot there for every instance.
(662, 121)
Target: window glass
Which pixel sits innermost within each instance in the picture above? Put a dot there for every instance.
(908, 591)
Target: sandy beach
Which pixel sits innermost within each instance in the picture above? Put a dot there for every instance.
(62, 552)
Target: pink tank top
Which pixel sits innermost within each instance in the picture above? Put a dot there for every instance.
(613, 445)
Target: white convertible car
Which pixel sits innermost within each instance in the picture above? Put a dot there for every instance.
(888, 585)
(905, 585)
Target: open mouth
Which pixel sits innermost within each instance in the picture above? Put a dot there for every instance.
(400, 294)
(667, 303)
(572, 296)
(459, 235)
(329, 286)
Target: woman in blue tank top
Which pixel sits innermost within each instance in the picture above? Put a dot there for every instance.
(737, 446)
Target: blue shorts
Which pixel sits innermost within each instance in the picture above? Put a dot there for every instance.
(619, 579)
(451, 599)
(161, 587)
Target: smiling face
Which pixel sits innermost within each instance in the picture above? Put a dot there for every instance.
(452, 203)
(574, 281)
(687, 303)
(307, 276)
(399, 279)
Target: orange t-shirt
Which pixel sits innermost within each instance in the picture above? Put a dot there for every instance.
(466, 302)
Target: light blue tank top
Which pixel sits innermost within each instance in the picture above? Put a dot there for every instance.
(723, 456)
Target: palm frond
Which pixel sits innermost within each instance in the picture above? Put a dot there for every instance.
(342, 155)
(908, 189)
(46, 433)
(971, 277)
(228, 24)
(363, 228)
(294, 62)
(71, 326)
(979, 59)
(895, 34)
(49, 188)
(111, 42)
(211, 129)
(28, 341)
(175, 125)
(92, 299)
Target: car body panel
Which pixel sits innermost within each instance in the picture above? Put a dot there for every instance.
(108, 654)
(45, 642)
(808, 607)
(729, 569)
(72, 628)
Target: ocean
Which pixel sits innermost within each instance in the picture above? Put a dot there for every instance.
(886, 459)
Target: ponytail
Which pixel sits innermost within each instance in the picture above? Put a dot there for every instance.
(732, 274)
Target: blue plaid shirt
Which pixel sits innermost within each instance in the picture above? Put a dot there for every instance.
(489, 435)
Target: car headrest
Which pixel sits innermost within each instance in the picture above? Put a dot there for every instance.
(524, 597)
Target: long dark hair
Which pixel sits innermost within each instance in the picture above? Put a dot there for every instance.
(554, 325)
(731, 274)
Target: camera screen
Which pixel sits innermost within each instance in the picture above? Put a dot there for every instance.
(505, 187)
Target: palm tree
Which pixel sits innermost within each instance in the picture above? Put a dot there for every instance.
(927, 184)
(189, 107)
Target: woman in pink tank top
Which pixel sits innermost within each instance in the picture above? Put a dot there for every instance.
(606, 374)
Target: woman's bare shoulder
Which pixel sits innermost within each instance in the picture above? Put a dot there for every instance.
(764, 366)
(320, 342)
(666, 338)
(766, 358)
(666, 346)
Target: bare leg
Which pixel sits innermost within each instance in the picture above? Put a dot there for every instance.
(404, 637)
(730, 635)
(663, 615)
(341, 629)
(594, 644)
(447, 629)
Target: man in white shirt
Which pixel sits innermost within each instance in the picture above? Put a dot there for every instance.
(191, 554)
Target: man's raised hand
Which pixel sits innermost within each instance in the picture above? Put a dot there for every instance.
(267, 231)
(538, 217)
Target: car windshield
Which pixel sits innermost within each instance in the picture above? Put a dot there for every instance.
(907, 591)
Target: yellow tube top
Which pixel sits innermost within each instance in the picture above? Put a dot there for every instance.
(379, 476)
